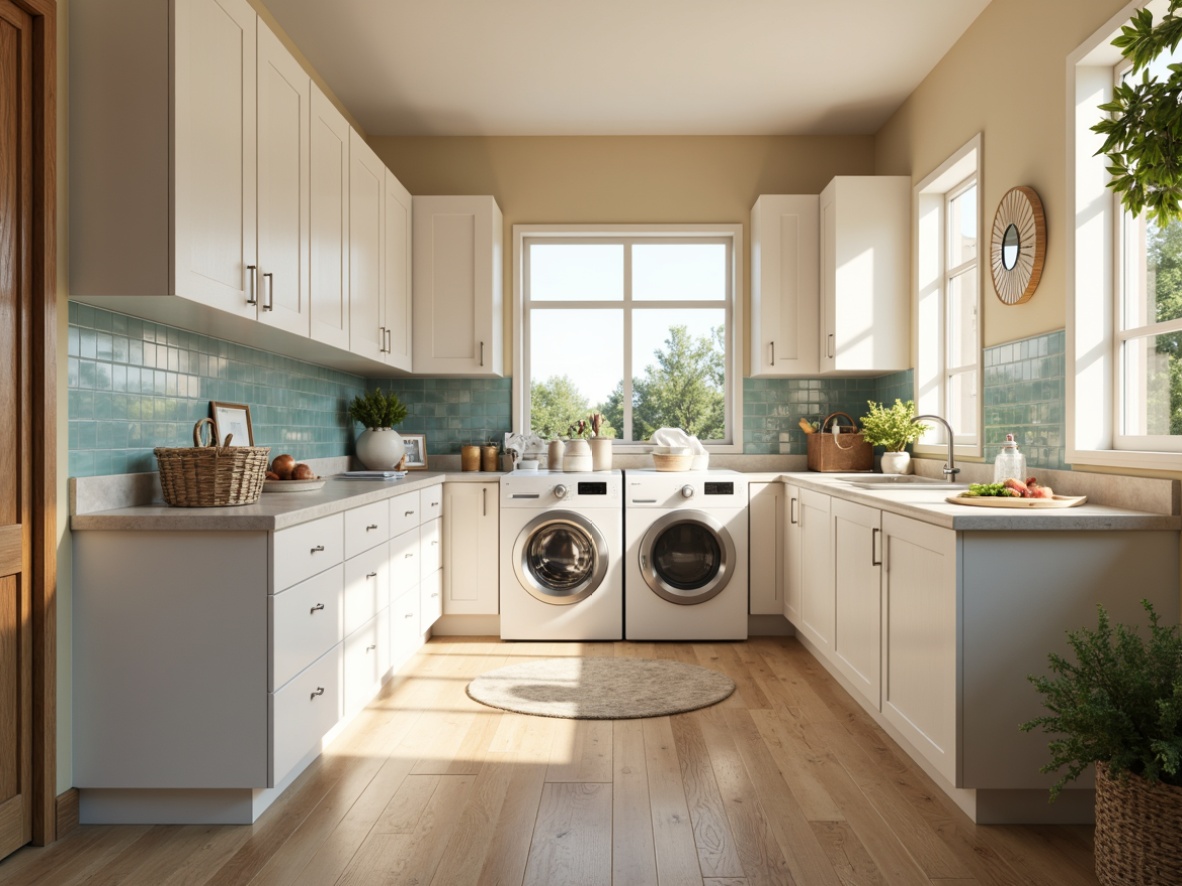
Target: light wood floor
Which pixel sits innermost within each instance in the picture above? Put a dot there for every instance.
(787, 781)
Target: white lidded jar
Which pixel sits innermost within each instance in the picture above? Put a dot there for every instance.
(1010, 463)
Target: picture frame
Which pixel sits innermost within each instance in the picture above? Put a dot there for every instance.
(416, 452)
(233, 419)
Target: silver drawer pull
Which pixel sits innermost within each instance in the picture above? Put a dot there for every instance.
(436, 594)
(409, 615)
(319, 691)
(408, 556)
(318, 548)
(407, 513)
(434, 541)
(434, 504)
(371, 575)
(371, 647)
(371, 526)
(316, 608)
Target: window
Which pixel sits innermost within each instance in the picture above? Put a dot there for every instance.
(948, 373)
(636, 323)
(1124, 324)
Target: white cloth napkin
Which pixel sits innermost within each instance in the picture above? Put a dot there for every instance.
(677, 437)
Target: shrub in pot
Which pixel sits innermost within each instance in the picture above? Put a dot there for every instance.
(892, 428)
(379, 447)
(1118, 705)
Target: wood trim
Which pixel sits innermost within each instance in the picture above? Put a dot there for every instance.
(66, 812)
(44, 372)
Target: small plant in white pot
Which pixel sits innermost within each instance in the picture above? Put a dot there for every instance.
(380, 447)
(892, 428)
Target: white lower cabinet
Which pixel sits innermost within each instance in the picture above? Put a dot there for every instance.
(767, 538)
(816, 570)
(303, 711)
(364, 655)
(471, 548)
(405, 634)
(857, 596)
(306, 621)
(431, 599)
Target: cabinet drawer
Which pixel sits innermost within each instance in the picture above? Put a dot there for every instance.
(430, 534)
(366, 527)
(431, 502)
(404, 562)
(430, 599)
(302, 551)
(404, 513)
(363, 654)
(305, 623)
(405, 633)
(303, 711)
(367, 586)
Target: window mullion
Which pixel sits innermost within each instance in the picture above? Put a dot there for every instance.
(626, 432)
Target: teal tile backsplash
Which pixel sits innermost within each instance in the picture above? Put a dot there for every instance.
(1026, 395)
(454, 411)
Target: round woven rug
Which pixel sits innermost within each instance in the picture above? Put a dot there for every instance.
(600, 688)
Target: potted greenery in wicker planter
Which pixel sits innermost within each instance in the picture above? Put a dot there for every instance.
(1119, 706)
(892, 428)
(380, 447)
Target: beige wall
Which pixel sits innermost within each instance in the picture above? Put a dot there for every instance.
(1006, 78)
(607, 180)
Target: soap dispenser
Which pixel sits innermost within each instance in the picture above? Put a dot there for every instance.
(1010, 463)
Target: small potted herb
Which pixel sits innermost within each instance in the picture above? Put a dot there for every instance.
(892, 428)
(380, 447)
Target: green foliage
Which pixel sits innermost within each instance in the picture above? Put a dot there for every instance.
(377, 409)
(1142, 127)
(684, 388)
(1119, 703)
(891, 426)
(1164, 251)
(556, 405)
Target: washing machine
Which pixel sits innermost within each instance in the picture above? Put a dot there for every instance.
(685, 571)
(562, 570)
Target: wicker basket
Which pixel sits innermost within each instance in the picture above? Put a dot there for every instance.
(211, 476)
(1138, 830)
(672, 462)
(847, 451)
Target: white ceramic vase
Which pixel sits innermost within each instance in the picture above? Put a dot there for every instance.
(896, 462)
(380, 449)
(601, 453)
(576, 455)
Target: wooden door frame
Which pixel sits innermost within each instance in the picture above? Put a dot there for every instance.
(43, 387)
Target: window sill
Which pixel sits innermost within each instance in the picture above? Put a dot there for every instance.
(1125, 458)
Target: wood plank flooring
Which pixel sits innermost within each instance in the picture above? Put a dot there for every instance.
(785, 782)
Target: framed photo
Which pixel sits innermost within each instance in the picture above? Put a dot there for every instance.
(416, 452)
(234, 419)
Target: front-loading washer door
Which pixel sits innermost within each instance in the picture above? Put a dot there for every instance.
(560, 557)
(687, 557)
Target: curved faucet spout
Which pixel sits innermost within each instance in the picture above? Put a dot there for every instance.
(950, 468)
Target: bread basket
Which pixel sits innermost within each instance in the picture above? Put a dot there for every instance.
(208, 475)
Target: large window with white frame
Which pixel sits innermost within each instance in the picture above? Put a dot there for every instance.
(637, 323)
(948, 305)
(1124, 372)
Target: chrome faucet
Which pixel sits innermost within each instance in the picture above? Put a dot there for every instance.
(950, 468)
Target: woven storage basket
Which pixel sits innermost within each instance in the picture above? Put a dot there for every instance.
(211, 476)
(672, 462)
(846, 452)
(1138, 831)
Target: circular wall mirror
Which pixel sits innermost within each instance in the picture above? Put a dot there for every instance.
(1018, 246)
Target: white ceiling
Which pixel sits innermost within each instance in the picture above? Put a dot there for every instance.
(623, 67)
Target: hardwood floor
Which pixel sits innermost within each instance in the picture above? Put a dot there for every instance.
(786, 781)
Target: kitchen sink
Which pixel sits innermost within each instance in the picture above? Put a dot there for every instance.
(902, 481)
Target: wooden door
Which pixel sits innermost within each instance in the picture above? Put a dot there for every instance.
(16, 444)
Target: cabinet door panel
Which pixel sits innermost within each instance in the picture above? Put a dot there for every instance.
(816, 571)
(396, 287)
(304, 550)
(857, 629)
(283, 97)
(303, 711)
(430, 599)
(366, 527)
(406, 635)
(328, 222)
(367, 586)
(404, 562)
(362, 666)
(784, 291)
(306, 621)
(793, 554)
(215, 153)
(367, 178)
(470, 549)
(766, 542)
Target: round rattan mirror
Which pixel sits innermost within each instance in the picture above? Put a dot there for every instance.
(1018, 246)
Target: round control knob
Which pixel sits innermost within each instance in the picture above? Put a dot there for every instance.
(560, 491)
(687, 491)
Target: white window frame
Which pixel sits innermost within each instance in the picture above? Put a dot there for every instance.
(1093, 263)
(931, 198)
(656, 233)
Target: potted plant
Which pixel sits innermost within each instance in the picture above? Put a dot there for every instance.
(1142, 124)
(601, 445)
(380, 447)
(892, 428)
(1119, 706)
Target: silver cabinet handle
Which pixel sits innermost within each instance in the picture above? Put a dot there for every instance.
(371, 527)
(318, 549)
(407, 556)
(371, 575)
(436, 594)
(407, 513)
(389, 348)
(773, 354)
(269, 304)
(381, 339)
(434, 542)
(875, 552)
(253, 297)
(317, 608)
(409, 615)
(371, 648)
(434, 504)
(319, 691)
(830, 345)
(482, 353)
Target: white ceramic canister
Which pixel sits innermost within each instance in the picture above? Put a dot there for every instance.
(576, 455)
(554, 455)
(601, 453)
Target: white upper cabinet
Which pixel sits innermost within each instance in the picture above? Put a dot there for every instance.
(396, 285)
(784, 290)
(367, 188)
(283, 144)
(328, 158)
(458, 306)
(865, 271)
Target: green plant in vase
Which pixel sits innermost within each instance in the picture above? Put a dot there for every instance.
(379, 447)
(892, 428)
